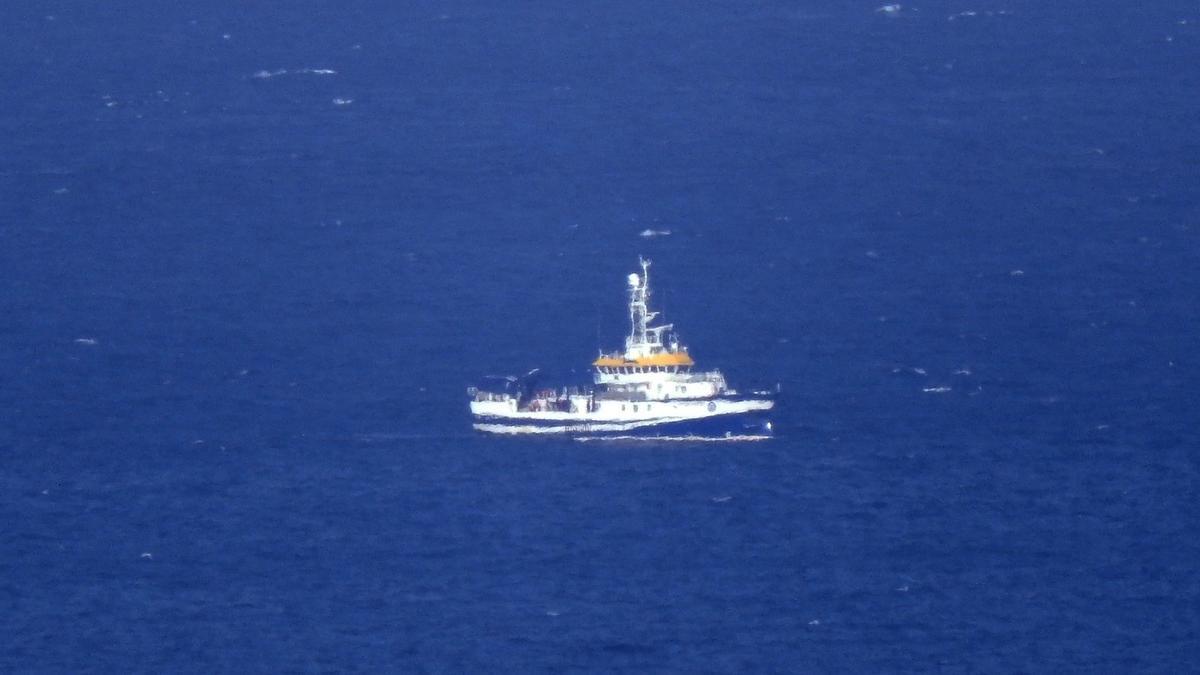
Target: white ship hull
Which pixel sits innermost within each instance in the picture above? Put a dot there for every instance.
(721, 418)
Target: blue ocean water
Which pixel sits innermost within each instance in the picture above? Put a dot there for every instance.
(251, 256)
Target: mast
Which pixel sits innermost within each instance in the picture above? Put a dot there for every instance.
(643, 340)
(648, 348)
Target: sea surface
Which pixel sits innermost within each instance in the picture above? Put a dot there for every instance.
(252, 254)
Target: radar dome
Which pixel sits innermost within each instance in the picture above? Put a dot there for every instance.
(633, 280)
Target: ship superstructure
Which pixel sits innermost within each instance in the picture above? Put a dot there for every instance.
(650, 388)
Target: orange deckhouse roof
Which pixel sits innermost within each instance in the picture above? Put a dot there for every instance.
(663, 359)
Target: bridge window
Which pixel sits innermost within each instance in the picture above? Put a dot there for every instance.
(634, 407)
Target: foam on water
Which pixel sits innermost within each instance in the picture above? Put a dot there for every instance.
(267, 74)
(677, 439)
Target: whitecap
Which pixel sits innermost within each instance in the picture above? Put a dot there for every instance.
(675, 439)
(654, 233)
(936, 390)
(265, 74)
(85, 341)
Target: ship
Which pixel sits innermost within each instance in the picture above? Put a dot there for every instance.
(652, 388)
